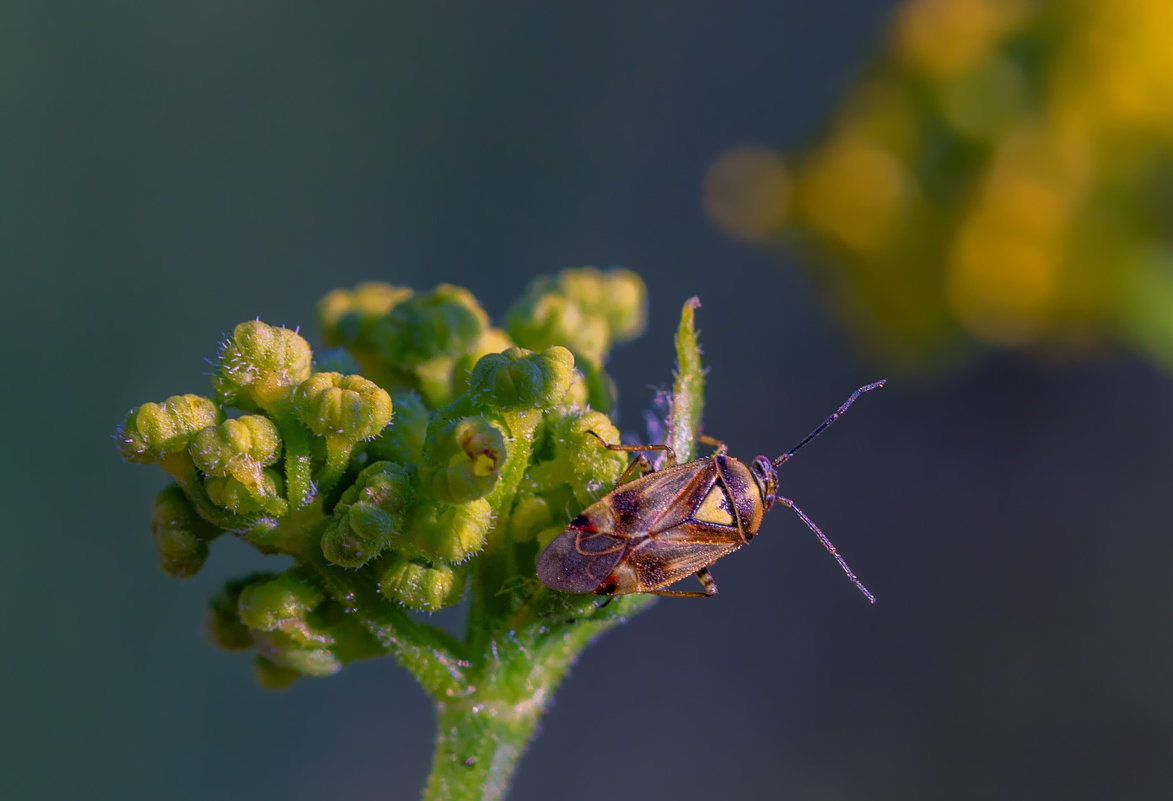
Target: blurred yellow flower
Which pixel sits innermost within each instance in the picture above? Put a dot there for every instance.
(1001, 174)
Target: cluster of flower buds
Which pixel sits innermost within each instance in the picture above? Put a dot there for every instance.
(431, 447)
(996, 175)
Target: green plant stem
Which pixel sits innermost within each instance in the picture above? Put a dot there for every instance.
(296, 441)
(337, 458)
(481, 736)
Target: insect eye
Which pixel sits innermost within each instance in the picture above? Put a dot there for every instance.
(761, 466)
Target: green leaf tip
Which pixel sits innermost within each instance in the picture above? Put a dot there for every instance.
(688, 388)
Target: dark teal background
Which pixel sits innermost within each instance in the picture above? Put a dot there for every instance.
(168, 170)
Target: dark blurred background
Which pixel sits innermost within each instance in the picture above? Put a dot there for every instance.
(168, 170)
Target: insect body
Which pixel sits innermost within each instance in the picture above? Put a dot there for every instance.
(652, 531)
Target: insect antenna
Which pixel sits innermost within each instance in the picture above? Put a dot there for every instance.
(823, 427)
(827, 543)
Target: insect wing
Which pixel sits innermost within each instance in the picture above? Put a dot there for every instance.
(659, 500)
(579, 561)
(668, 556)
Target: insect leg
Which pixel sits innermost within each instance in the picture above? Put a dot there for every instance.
(669, 462)
(641, 462)
(827, 544)
(705, 439)
(707, 581)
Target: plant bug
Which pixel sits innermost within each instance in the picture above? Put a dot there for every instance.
(654, 530)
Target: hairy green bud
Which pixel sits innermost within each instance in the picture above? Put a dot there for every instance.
(282, 604)
(343, 407)
(272, 676)
(448, 532)
(222, 622)
(494, 340)
(616, 295)
(309, 661)
(531, 514)
(229, 493)
(242, 448)
(155, 430)
(346, 316)
(447, 321)
(462, 460)
(259, 365)
(181, 535)
(403, 440)
(585, 309)
(541, 320)
(419, 585)
(519, 379)
(575, 458)
(369, 515)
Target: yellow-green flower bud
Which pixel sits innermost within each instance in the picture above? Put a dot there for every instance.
(343, 409)
(181, 535)
(419, 585)
(519, 379)
(346, 316)
(282, 604)
(462, 460)
(617, 296)
(446, 321)
(272, 676)
(576, 458)
(259, 365)
(579, 395)
(494, 340)
(241, 448)
(231, 494)
(448, 532)
(155, 430)
(311, 661)
(433, 378)
(531, 514)
(403, 440)
(541, 320)
(626, 306)
(346, 407)
(368, 516)
(222, 621)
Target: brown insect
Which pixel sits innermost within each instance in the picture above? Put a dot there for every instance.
(667, 524)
